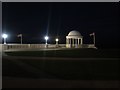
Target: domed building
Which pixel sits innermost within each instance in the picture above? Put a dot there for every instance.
(74, 39)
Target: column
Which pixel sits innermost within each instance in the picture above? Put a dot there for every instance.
(73, 42)
(66, 41)
(81, 41)
(69, 42)
(78, 41)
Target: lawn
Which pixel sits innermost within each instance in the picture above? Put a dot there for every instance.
(73, 53)
(79, 70)
(64, 69)
(12, 69)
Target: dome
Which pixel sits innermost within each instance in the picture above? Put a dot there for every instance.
(74, 33)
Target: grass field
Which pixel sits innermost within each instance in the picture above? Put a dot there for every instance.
(11, 69)
(75, 53)
(79, 69)
(64, 69)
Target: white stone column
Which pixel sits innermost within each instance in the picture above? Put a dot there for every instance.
(73, 42)
(81, 41)
(78, 41)
(69, 42)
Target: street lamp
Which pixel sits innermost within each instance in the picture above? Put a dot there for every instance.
(56, 41)
(4, 36)
(20, 35)
(93, 34)
(46, 38)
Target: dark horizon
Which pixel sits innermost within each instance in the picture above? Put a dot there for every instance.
(35, 20)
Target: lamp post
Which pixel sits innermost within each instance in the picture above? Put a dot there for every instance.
(93, 34)
(56, 41)
(20, 35)
(46, 38)
(4, 36)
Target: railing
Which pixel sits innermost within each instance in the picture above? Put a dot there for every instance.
(28, 46)
(40, 46)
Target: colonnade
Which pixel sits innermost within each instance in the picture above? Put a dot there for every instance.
(72, 42)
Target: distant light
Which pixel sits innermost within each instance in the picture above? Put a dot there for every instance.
(56, 39)
(46, 37)
(4, 36)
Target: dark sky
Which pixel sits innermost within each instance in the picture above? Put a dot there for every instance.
(35, 20)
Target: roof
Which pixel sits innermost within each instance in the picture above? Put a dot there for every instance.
(74, 33)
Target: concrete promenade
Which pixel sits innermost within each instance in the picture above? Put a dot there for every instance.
(10, 82)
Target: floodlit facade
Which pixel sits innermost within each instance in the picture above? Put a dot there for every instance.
(74, 39)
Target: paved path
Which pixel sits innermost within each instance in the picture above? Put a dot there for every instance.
(56, 83)
(35, 49)
(54, 58)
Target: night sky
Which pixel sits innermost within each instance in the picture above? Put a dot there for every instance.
(35, 20)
